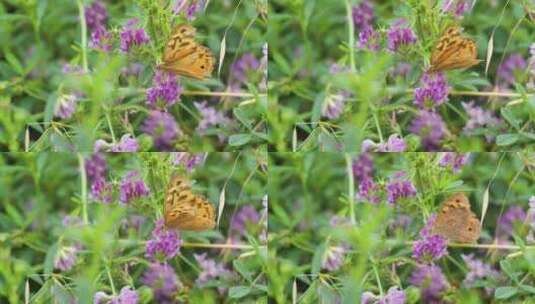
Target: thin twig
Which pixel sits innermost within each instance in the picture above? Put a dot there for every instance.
(488, 94)
(225, 94)
(220, 246)
(485, 246)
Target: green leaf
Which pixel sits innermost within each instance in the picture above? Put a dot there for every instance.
(505, 292)
(510, 117)
(239, 139)
(528, 288)
(506, 139)
(239, 292)
(49, 258)
(318, 258)
(242, 269)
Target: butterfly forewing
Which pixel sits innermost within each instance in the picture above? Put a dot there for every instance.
(184, 56)
(455, 221)
(185, 210)
(453, 51)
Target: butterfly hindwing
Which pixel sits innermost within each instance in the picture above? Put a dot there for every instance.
(453, 51)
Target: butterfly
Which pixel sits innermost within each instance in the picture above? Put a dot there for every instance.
(456, 221)
(453, 51)
(183, 56)
(185, 210)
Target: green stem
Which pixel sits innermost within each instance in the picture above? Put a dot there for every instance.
(374, 113)
(377, 277)
(350, 187)
(83, 180)
(108, 119)
(351, 38)
(83, 24)
(109, 277)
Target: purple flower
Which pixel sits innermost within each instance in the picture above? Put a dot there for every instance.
(394, 144)
(179, 6)
(401, 70)
(363, 14)
(96, 15)
(210, 118)
(477, 271)
(512, 69)
(397, 188)
(430, 127)
(430, 247)
(65, 106)
(165, 92)
(163, 281)
(101, 39)
(126, 144)
(433, 92)
(242, 70)
(96, 167)
(102, 190)
(401, 222)
(133, 222)
(393, 296)
(132, 187)
(70, 221)
(369, 39)
(247, 215)
(478, 118)
(398, 36)
(195, 7)
(333, 105)
(460, 7)
(453, 160)
(431, 281)
(333, 258)
(514, 216)
(210, 270)
(363, 166)
(188, 160)
(65, 258)
(163, 128)
(165, 244)
(72, 69)
(127, 296)
(132, 36)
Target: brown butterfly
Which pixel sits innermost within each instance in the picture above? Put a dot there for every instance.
(456, 221)
(453, 51)
(183, 56)
(185, 210)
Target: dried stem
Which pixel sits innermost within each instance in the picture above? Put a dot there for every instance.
(219, 246)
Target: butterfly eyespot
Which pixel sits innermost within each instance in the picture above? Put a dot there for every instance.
(470, 229)
(202, 67)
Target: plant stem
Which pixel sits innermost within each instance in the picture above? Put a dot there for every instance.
(350, 187)
(351, 38)
(225, 94)
(488, 94)
(83, 181)
(83, 25)
(108, 119)
(485, 246)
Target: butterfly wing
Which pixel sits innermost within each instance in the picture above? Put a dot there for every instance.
(183, 56)
(453, 52)
(456, 221)
(185, 210)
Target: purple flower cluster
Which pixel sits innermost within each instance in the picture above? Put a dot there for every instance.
(96, 168)
(431, 281)
(478, 118)
(132, 187)
(243, 69)
(398, 188)
(394, 144)
(210, 270)
(363, 172)
(126, 296)
(430, 247)
(96, 18)
(66, 257)
(333, 257)
(165, 244)
(431, 128)
(398, 36)
(512, 69)
(334, 104)
(453, 160)
(126, 144)
(393, 296)
(457, 7)
(163, 128)
(363, 15)
(247, 215)
(163, 281)
(190, 9)
(369, 39)
(165, 92)
(477, 271)
(210, 117)
(505, 226)
(65, 106)
(432, 93)
(187, 160)
(131, 36)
